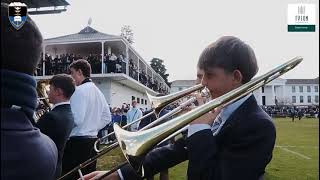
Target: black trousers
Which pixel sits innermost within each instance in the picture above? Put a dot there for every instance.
(77, 151)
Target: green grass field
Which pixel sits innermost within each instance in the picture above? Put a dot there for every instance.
(295, 157)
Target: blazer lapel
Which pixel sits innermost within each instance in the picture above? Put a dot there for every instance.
(237, 115)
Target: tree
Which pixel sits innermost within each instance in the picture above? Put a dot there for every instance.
(158, 66)
(127, 33)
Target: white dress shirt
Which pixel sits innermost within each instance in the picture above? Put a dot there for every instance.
(90, 110)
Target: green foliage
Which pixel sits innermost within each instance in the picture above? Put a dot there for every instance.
(127, 33)
(159, 67)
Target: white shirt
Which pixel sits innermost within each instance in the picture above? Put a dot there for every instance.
(132, 115)
(90, 110)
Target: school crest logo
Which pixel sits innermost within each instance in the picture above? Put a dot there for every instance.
(17, 14)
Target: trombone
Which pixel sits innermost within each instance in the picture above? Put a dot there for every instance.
(42, 87)
(159, 103)
(135, 145)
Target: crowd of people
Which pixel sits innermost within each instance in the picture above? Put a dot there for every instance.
(112, 64)
(292, 111)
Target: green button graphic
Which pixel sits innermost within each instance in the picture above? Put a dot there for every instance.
(301, 28)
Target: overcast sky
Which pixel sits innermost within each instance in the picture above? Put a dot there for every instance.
(177, 31)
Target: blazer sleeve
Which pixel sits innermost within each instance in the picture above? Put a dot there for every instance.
(202, 151)
(159, 159)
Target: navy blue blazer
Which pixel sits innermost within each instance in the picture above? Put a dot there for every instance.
(57, 124)
(241, 150)
(26, 153)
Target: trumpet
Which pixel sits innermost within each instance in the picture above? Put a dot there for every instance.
(135, 145)
(159, 103)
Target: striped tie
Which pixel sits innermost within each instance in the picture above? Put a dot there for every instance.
(216, 124)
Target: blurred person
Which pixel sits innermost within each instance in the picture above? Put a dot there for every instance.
(91, 113)
(133, 114)
(26, 153)
(58, 123)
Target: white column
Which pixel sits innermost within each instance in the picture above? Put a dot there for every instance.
(283, 94)
(273, 99)
(138, 68)
(43, 58)
(127, 63)
(102, 56)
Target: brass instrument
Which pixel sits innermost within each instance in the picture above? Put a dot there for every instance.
(159, 104)
(43, 100)
(135, 145)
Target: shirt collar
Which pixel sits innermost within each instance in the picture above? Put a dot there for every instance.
(61, 103)
(86, 80)
(228, 110)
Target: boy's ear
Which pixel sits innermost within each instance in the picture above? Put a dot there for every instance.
(237, 76)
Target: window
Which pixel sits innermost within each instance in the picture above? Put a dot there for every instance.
(180, 88)
(309, 99)
(316, 99)
(142, 101)
(293, 89)
(294, 99)
(138, 100)
(308, 89)
(145, 102)
(300, 88)
(262, 89)
(301, 99)
(316, 89)
(133, 98)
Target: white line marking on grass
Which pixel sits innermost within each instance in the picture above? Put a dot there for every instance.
(288, 146)
(293, 152)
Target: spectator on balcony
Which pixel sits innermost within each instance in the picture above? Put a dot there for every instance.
(106, 62)
(124, 61)
(113, 62)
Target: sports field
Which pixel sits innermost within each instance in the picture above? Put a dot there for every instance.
(295, 157)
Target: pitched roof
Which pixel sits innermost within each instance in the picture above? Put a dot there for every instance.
(86, 34)
(303, 81)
